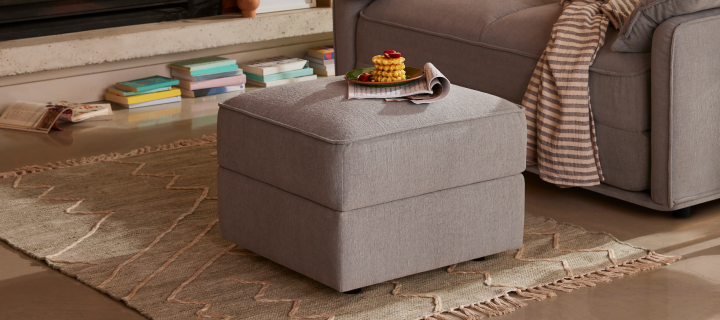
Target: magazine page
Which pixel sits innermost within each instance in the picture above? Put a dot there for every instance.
(24, 114)
(358, 91)
(433, 87)
(438, 84)
(76, 112)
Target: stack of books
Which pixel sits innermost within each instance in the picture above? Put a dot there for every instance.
(277, 71)
(144, 92)
(208, 76)
(322, 60)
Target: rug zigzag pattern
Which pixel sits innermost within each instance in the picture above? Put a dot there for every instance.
(69, 210)
(259, 297)
(556, 246)
(202, 313)
(169, 186)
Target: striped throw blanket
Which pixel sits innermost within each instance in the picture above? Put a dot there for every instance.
(561, 130)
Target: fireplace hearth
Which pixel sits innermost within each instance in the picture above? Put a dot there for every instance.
(21, 19)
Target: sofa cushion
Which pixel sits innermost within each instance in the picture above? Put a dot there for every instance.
(464, 19)
(624, 157)
(636, 35)
(498, 51)
(310, 140)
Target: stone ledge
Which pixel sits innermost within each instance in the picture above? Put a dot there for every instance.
(124, 43)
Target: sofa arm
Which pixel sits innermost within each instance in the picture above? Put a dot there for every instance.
(345, 19)
(685, 168)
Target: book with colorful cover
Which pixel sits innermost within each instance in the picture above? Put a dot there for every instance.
(280, 82)
(231, 67)
(273, 65)
(221, 82)
(211, 91)
(142, 98)
(282, 75)
(322, 66)
(320, 61)
(152, 102)
(322, 53)
(323, 72)
(146, 84)
(124, 93)
(202, 63)
(204, 77)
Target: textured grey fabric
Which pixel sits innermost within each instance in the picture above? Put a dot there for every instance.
(686, 117)
(353, 249)
(625, 157)
(345, 17)
(452, 20)
(500, 66)
(308, 139)
(637, 34)
(641, 198)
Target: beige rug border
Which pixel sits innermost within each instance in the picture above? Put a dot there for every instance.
(504, 304)
(499, 305)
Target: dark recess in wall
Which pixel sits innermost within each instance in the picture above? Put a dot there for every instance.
(21, 19)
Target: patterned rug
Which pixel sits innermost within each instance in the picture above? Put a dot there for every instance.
(142, 228)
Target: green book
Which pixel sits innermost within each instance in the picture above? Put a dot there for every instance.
(280, 76)
(124, 93)
(202, 63)
(230, 67)
(147, 84)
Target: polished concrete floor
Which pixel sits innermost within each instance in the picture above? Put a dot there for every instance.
(687, 290)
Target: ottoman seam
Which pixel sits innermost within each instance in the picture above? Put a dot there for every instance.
(275, 122)
(377, 204)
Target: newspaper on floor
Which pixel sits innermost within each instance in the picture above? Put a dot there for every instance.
(433, 87)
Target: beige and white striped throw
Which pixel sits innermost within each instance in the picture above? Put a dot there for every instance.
(561, 130)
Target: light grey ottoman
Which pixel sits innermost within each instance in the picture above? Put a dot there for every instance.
(356, 192)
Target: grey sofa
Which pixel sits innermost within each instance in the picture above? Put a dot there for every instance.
(657, 113)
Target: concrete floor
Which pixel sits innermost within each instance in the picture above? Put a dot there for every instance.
(689, 289)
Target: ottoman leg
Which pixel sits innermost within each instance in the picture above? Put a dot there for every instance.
(356, 291)
(682, 213)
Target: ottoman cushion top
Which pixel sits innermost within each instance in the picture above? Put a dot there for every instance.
(321, 109)
(347, 154)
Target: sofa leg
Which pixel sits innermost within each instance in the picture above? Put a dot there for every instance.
(356, 291)
(479, 259)
(682, 213)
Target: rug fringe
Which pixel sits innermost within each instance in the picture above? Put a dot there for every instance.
(505, 304)
(106, 157)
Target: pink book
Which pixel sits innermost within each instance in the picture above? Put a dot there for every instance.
(212, 83)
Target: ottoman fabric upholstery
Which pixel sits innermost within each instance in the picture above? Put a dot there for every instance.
(308, 139)
(356, 192)
(353, 249)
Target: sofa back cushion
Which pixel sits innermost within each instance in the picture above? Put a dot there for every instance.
(637, 31)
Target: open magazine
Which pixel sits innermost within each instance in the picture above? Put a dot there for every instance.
(76, 112)
(41, 117)
(431, 88)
